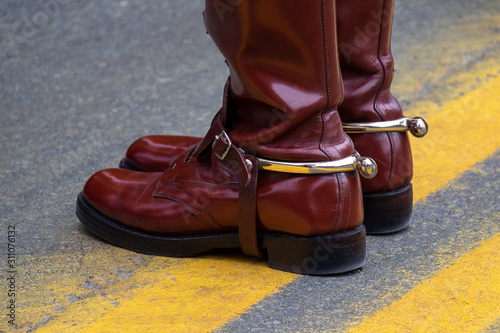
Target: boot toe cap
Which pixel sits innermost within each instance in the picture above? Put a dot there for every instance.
(155, 153)
(110, 191)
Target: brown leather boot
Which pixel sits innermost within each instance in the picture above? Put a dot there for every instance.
(371, 114)
(274, 175)
(364, 36)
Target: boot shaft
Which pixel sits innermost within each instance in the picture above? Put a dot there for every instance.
(367, 64)
(285, 78)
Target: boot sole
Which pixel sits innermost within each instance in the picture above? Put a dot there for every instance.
(388, 212)
(315, 255)
(125, 164)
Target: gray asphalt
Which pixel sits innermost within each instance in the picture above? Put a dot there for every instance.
(76, 91)
(79, 81)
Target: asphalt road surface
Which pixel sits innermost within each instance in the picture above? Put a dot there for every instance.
(81, 80)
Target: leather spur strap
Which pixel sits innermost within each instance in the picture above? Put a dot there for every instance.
(245, 167)
(247, 224)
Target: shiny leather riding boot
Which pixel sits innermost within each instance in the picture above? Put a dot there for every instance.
(371, 115)
(275, 174)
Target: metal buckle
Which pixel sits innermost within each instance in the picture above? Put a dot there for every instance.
(225, 139)
(417, 126)
(365, 165)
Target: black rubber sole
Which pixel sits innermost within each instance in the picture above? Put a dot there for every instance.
(315, 255)
(125, 164)
(388, 212)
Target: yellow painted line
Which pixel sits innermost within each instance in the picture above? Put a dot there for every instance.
(190, 295)
(464, 132)
(463, 298)
(445, 60)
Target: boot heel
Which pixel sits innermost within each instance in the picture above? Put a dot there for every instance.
(317, 255)
(388, 212)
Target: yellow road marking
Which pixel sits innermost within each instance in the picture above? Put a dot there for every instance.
(463, 133)
(463, 298)
(190, 295)
(445, 60)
